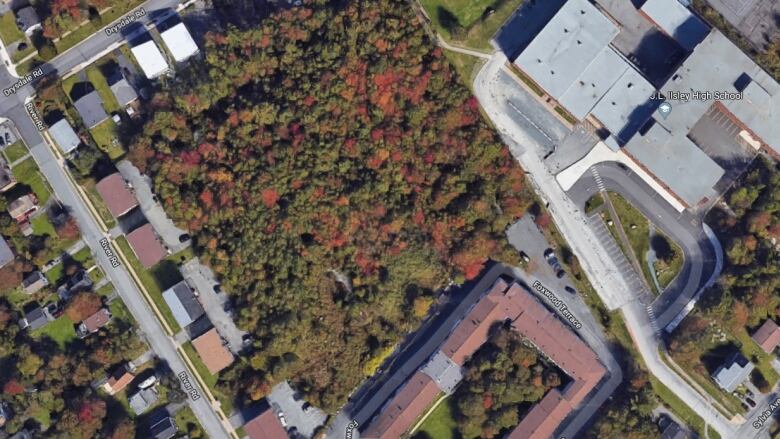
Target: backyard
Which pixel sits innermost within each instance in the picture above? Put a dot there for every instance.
(440, 423)
(61, 331)
(27, 173)
(106, 139)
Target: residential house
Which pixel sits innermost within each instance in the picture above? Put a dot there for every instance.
(183, 303)
(116, 194)
(142, 400)
(37, 318)
(768, 336)
(27, 20)
(79, 281)
(64, 136)
(179, 42)
(93, 323)
(212, 351)
(150, 59)
(34, 282)
(6, 254)
(733, 372)
(90, 107)
(118, 380)
(7, 180)
(124, 92)
(674, 431)
(21, 208)
(266, 425)
(146, 246)
(163, 429)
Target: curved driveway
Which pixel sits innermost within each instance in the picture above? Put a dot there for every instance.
(683, 228)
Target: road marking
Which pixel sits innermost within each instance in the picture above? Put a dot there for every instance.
(597, 177)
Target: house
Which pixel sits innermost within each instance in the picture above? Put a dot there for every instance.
(7, 180)
(674, 431)
(93, 323)
(163, 429)
(733, 372)
(183, 304)
(141, 400)
(150, 59)
(212, 351)
(116, 194)
(90, 107)
(34, 282)
(146, 246)
(179, 42)
(265, 426)
(64, 136)
(124, 92)
(79, 281)
(27, 20)
(768, 336)
(118, 380)
(6, 254)
(37, 318)
(22, 207)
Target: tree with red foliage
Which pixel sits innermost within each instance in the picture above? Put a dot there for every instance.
(83, 305)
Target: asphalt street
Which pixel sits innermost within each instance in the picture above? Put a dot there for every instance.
(12, 107)
(601, 270)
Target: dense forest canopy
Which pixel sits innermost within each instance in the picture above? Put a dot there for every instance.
(335, 174)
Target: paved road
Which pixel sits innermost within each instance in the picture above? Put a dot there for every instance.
(683, 228)
(600, 269)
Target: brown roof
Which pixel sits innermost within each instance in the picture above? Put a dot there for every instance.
(408, 404)
(116, 195)
(265, 426)
(146, 246)
(97, 320)
(543, 419)
(212, 351)
(118, 381)
(768, 336)
(19, 207)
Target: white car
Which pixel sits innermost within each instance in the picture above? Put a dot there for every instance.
(282, 420)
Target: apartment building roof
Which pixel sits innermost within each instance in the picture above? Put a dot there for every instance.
(115, 193)
(146, 246)
(212, 351)
(398, 415)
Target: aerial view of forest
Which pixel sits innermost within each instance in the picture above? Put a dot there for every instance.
(335, 175)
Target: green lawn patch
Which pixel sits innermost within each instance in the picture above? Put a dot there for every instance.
(440, 423)
(15, 151)
(156, 280)
(187, 422)
(22, 54)
(106, 290)
(106, 139)
(68, 83)
(42, 226)
(667, 270)
(27, 173)
(96, 77)
(25, 67)
(469, 22)
(637, 230)
(565, 115)
(9, 31)
(55, 273)
(119, 310)
(91, 27)
(96, 275)
(84, 256)
(60, 330)
(465, 65)
(594, 203)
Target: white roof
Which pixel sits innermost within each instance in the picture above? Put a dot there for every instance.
(566, 46)
(150, 59)
(593, 83)
(179, 42)
(676, 21)
(64, 136)
(626, 106)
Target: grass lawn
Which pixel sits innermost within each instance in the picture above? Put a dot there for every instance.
(637, 229)
(465, 65)
(84, 256)
(666, 272)
(120, 311)
(440, 424)
(22, 54)
(9, 31)
(464, 12)
(97, 202)
(60, 330)
(187, 422)
(211, 380)
(96, 77)
(15, 152)
(594, 203)
(96, 275)
(91, 27)
(156, 280)
(42, 226)
(105, 290)
(105, 138)
(465, 18)
(55, 273)
(679, 408)
(69, 82)
(27, 173)
(25, 67)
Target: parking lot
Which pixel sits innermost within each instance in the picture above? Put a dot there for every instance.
(301, 422)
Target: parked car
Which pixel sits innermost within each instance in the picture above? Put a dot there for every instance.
(282, 420)
(570, 289)
(751, 402)
(559, 274)
(525, 256)
(184, 238)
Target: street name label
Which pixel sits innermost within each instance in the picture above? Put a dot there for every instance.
(130, 18)
(558, 303)
(26, 79)
(766, 414)
(109, 253)
(351, 427)
(185, 381)
(36, 118)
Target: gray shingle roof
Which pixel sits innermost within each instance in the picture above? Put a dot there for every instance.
(90, 107)
(6, 254)
(182, 302)
(124, 92)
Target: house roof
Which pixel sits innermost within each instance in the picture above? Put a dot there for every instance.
(733, 372)
(566, 46)
(265, 426)
(163, 429)
(6, 176)
(36, 318)
(6, 254)
(90, 107)
(676, 21)
(64, 136)
(146, 246)
(768, 336)
(183, 304)
(213, 351)
(27, 18)
(116, 194)
(34, 282)
(124, 92)
(141, 400)
(97, 320)
(150, 59)
(179, 42)
(400, 413)
(20, 206)
(119, 380)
